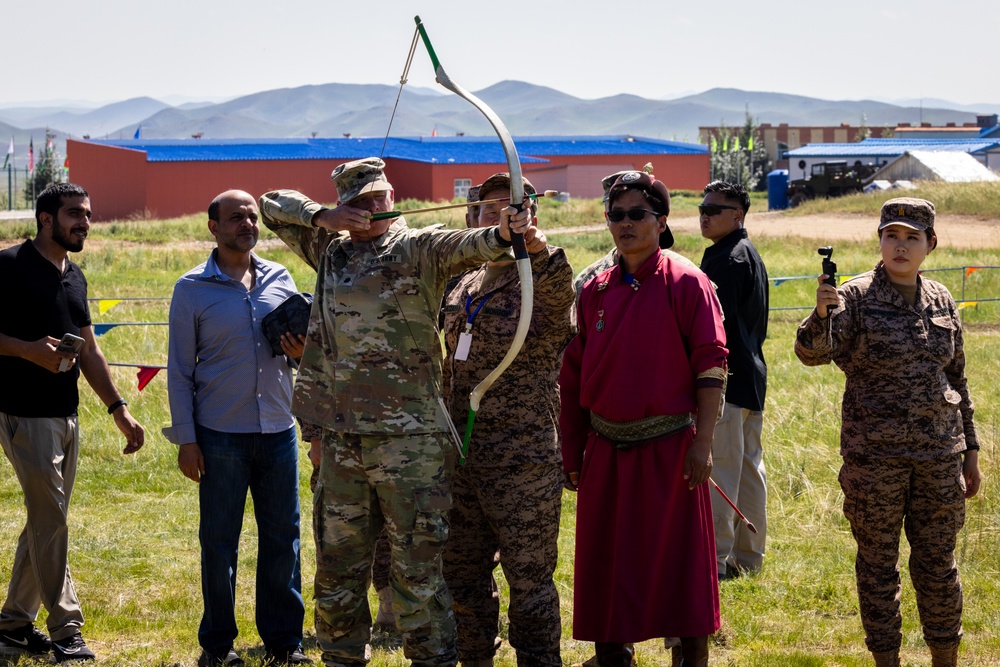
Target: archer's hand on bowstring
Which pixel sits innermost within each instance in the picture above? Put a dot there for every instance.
(343, 218)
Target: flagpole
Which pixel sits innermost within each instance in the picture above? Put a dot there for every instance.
(8, 161)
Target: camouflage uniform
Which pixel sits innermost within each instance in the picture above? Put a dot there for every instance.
(907, 418)
(382, 559)
(508, 495)
(370, 378)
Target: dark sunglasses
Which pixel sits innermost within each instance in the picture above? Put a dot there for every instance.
(712, 210)
(634, 214)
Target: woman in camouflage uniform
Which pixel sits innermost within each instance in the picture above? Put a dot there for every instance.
(908, 440)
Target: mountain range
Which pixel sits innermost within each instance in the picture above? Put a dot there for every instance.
(334, 110)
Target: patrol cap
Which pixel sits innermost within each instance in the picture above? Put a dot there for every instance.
(471, 212)
(609, 180)
(655, 191)
(501, 181)
(359, 177)
(908, 211)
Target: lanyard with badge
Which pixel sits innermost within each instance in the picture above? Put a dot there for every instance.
(465, 338)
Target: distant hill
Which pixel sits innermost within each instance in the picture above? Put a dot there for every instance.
(332, 110)
(97, 123)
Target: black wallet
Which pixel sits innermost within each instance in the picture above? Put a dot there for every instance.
(291, 316)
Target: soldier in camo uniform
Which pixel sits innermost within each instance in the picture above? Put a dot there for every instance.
(370, 376)
(911, 456)
(508, 494)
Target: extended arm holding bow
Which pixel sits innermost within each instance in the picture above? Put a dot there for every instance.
(520, 252)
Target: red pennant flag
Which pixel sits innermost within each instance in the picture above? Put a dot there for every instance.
(146, 374)
(969, 270)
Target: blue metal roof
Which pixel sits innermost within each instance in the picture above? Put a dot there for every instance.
(432, 150)
(893, 147)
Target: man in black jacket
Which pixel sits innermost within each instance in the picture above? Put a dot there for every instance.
(733, 264)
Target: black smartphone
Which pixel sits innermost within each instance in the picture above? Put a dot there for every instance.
(69, 344)
(829, 267)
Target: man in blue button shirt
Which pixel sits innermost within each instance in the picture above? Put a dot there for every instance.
(230, 401)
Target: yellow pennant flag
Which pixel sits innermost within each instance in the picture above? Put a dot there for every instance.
(104, 305)
(966, 304)
(844, 279)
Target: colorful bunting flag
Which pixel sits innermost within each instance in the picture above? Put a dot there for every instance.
(31, 156)
(10, 152)
(145, 374)
(104, 305)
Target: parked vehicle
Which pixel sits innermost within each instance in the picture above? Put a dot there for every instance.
(830, 179)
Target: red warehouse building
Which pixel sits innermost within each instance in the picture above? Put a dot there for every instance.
(169, 178)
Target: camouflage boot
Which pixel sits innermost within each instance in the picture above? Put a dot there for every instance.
(944, 657)
(886, 658)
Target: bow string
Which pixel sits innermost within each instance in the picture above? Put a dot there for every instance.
(520, 250)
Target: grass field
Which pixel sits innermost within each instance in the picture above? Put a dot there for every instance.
(134, 542)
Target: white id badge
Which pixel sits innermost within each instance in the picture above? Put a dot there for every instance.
(464, 343)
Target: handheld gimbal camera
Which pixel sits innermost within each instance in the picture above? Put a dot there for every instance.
(829, 267)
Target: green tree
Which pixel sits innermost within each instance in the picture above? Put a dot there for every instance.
(48, 169)
(738, 154)
(864, 131)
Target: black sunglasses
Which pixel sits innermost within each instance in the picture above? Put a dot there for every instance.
(634, 214)
(712, 210)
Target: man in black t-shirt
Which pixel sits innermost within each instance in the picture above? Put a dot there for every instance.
(45, 297)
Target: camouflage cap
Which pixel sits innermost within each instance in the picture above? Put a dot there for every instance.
(609, 180)
(473, 194)
(907, 211)
(471, 211)
(358, 177)
(501, 181)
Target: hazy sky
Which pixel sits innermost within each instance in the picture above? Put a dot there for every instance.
(110, 50)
